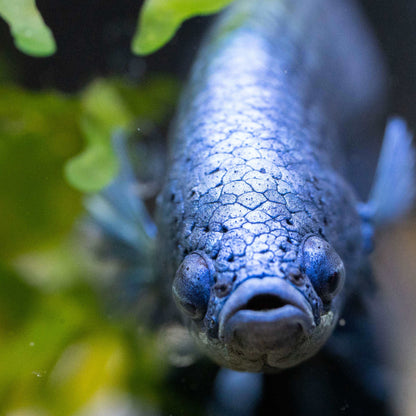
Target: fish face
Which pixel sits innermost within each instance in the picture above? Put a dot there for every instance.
(263, 323)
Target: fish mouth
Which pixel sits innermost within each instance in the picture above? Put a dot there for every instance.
(265, 315)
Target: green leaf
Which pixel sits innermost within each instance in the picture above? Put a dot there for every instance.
(29, 31)
(160, 19)
(94, 168)
(109, 105)
(103, 112)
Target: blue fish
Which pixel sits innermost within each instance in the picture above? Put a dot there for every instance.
(262, 237)
(258, 222)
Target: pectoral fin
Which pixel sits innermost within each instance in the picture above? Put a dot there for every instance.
(393, 191)
(118, 209)
(121, 232)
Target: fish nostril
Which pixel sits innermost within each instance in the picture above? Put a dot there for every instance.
(264, 302)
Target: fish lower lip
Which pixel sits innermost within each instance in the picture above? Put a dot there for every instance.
(293, 316)
(275, 330)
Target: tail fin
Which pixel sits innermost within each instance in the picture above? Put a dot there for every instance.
(393, 192)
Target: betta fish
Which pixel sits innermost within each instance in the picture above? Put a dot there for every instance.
(262, 233)
(259, 226)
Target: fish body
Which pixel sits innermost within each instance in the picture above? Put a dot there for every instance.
(260, 231)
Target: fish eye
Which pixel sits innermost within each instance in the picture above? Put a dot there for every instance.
(324, 267)
(192, 285)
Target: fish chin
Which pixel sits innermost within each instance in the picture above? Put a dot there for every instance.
(272, 353)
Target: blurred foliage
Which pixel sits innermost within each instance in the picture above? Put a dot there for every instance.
(160, 19)
(41, 131)
(61, 351)
(29, 31)
(158, 22)
(107, 106)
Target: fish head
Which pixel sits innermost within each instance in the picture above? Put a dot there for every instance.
(266, 321)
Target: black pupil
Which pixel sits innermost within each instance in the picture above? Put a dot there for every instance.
(333, 282)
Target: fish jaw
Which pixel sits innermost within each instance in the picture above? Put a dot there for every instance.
(266, 325)
(266, 317)
(267, 301)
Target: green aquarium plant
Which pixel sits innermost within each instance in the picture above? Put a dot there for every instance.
(158, 22)
(30, 33)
